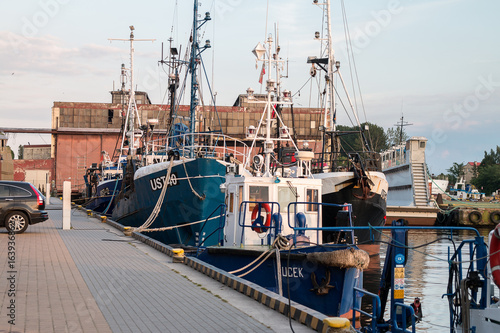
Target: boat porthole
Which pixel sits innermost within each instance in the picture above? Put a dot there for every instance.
(475, 216)
(495, 217)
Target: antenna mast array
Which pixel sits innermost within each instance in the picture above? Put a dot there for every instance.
(132, 111)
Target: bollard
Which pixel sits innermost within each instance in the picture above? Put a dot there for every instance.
(103, 219)
(66, 205)
(47, 193)
(178, 255)
(127, 231)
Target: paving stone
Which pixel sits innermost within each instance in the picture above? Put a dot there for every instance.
(94, 279)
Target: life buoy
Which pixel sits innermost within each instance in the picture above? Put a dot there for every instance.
(495, 217)
(257, 224)
(495, 255)
(475, 216)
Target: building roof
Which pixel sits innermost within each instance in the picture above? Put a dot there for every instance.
(36, 146)
(474, 163)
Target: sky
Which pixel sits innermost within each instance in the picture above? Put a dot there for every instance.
(437, 62)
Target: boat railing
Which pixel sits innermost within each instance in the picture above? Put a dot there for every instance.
(343, 161)
(220, 229)
(256, 223)
(298, 216)
(394, 156)
(473, 290)
(402, 311)
(376, 307)
(214, 145)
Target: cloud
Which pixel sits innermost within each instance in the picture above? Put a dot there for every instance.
(48, 55)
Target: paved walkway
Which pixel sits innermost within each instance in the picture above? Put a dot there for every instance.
(94, 279)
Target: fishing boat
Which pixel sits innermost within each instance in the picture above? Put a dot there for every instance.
(173, 187)
(274, 219)
(103, 182)
(348, 177)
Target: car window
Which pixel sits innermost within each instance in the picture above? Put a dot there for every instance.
(4, 191)
(13, 191)
(18, 192)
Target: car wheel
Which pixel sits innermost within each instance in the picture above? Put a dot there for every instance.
(16, 222)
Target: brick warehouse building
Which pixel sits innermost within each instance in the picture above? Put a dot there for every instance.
(81, 131)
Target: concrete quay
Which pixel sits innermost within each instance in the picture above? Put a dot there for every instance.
(92, 278)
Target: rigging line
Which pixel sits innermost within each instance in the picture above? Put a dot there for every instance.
(343, 105)
(310, 93)
(349, 54)
(298, 91)
(211, 93)
(356, 75)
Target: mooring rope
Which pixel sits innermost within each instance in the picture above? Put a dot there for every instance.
(156, 210)
(279, 243)
(192, 189)
(180, 226)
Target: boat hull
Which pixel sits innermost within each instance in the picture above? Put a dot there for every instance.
(340, 188)
(180, 204)
(106, 191)
(324, 288)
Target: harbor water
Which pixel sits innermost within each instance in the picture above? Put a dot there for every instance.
(426, 274)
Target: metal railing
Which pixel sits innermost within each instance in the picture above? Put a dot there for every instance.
(198, 144)
(376, 306)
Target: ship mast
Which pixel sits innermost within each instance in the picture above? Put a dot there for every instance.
(132, 111)
(193, 64)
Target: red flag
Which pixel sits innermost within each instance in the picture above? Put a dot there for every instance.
(262, 72)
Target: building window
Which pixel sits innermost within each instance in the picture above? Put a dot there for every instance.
(110, 116)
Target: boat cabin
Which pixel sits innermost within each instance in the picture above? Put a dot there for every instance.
(259, 208)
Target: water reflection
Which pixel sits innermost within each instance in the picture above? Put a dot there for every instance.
(426, 275)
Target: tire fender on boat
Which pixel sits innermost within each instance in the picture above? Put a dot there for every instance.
(495, 217)
(495, 255)
(258, 225)
(475, 217)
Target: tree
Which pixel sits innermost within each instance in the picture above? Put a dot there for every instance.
(376, 137)
(455, 172)
(352, 142)
(487, 176)
(492, 158)
(395, 136)
(488, 179)
(20, 152)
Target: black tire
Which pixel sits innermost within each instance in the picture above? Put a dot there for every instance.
(18, 220)
(475, 217)
(495, 217)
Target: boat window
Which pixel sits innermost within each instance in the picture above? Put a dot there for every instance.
(231, 202)
(312, 196)
(258, 193)
(285, 196)
(240, 196)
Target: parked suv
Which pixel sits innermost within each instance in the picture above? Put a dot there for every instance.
(20, 204)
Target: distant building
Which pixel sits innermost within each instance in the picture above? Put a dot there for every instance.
(36, 152)
(36, 166)
(470, 171)
(81, 131)
(6, 164)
